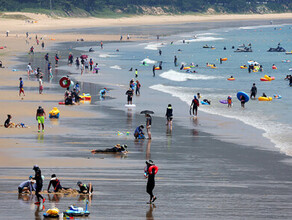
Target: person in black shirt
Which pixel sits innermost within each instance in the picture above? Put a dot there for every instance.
(55, 182)
(169, 115)
(7, 123)
(253, 91)
(39, 184)
(151, 185)
(85, 189)
(129, 93)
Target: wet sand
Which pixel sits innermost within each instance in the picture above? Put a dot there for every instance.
(199, 177)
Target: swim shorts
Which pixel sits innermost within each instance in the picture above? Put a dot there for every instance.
(41, 119)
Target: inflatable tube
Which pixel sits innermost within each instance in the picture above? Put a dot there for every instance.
(231, 79)
(204, 103)
(268, 78)
(274, 67)
(223, 101)
(255, 70)
(155, 169)
(242, 94)
(213, 67)
(157, 68)
(187, 68)
(243, 67)
(1, 48)
(61, 103)
(224, 59)
(265, 98)
(65, 82)
(264, 79)
(277, 96)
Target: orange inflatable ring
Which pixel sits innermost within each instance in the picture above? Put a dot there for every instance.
(157, 68)
(224, 59)
(231, 79)
(153, 167)
(65, 82)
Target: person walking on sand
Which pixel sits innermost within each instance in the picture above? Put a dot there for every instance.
(56, 59)
(21, 90)
(194, 105)
(40, 117)
(29, 69)
(130, 94)
(148, 125)
(82, 68)
(151, 184)
(39, 184)
(90, 64)
(41, 88)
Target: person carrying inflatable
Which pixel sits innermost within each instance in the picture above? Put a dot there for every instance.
(194, 105)
(138, 133)
(229, 102)
(152, 171)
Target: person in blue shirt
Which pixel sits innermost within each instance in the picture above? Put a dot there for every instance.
(139, 134)
(26, 185)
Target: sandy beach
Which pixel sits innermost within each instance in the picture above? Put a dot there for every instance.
(200, 176)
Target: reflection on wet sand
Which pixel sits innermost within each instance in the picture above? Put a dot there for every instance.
(148, 149)
(149, 214)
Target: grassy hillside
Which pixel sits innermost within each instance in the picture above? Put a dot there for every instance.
(114, 8)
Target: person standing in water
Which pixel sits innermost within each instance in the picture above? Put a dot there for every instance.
(153, 70)
(129, 94)
(195, 104)
(242, 101)
(138, 86)
(39, 184)
(253, 91)
(40, 117)
(151, 184)
(169, 116)
(175, 61)
(136, 73)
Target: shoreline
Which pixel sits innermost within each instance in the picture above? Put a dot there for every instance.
(45, 22)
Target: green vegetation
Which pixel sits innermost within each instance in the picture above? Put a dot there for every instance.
(116, 8)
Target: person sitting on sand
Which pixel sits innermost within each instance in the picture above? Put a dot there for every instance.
(138, 133)
(85, 189)
(116, 149)
(55, 182)
(7, 123)
(26, 186)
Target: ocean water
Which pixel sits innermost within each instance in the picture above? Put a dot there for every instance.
(272, 118)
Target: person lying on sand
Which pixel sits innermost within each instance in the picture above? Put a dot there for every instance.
(85, 189)
(116, 149)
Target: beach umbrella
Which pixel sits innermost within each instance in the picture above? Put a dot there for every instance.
(147, 112)
(83, 56)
